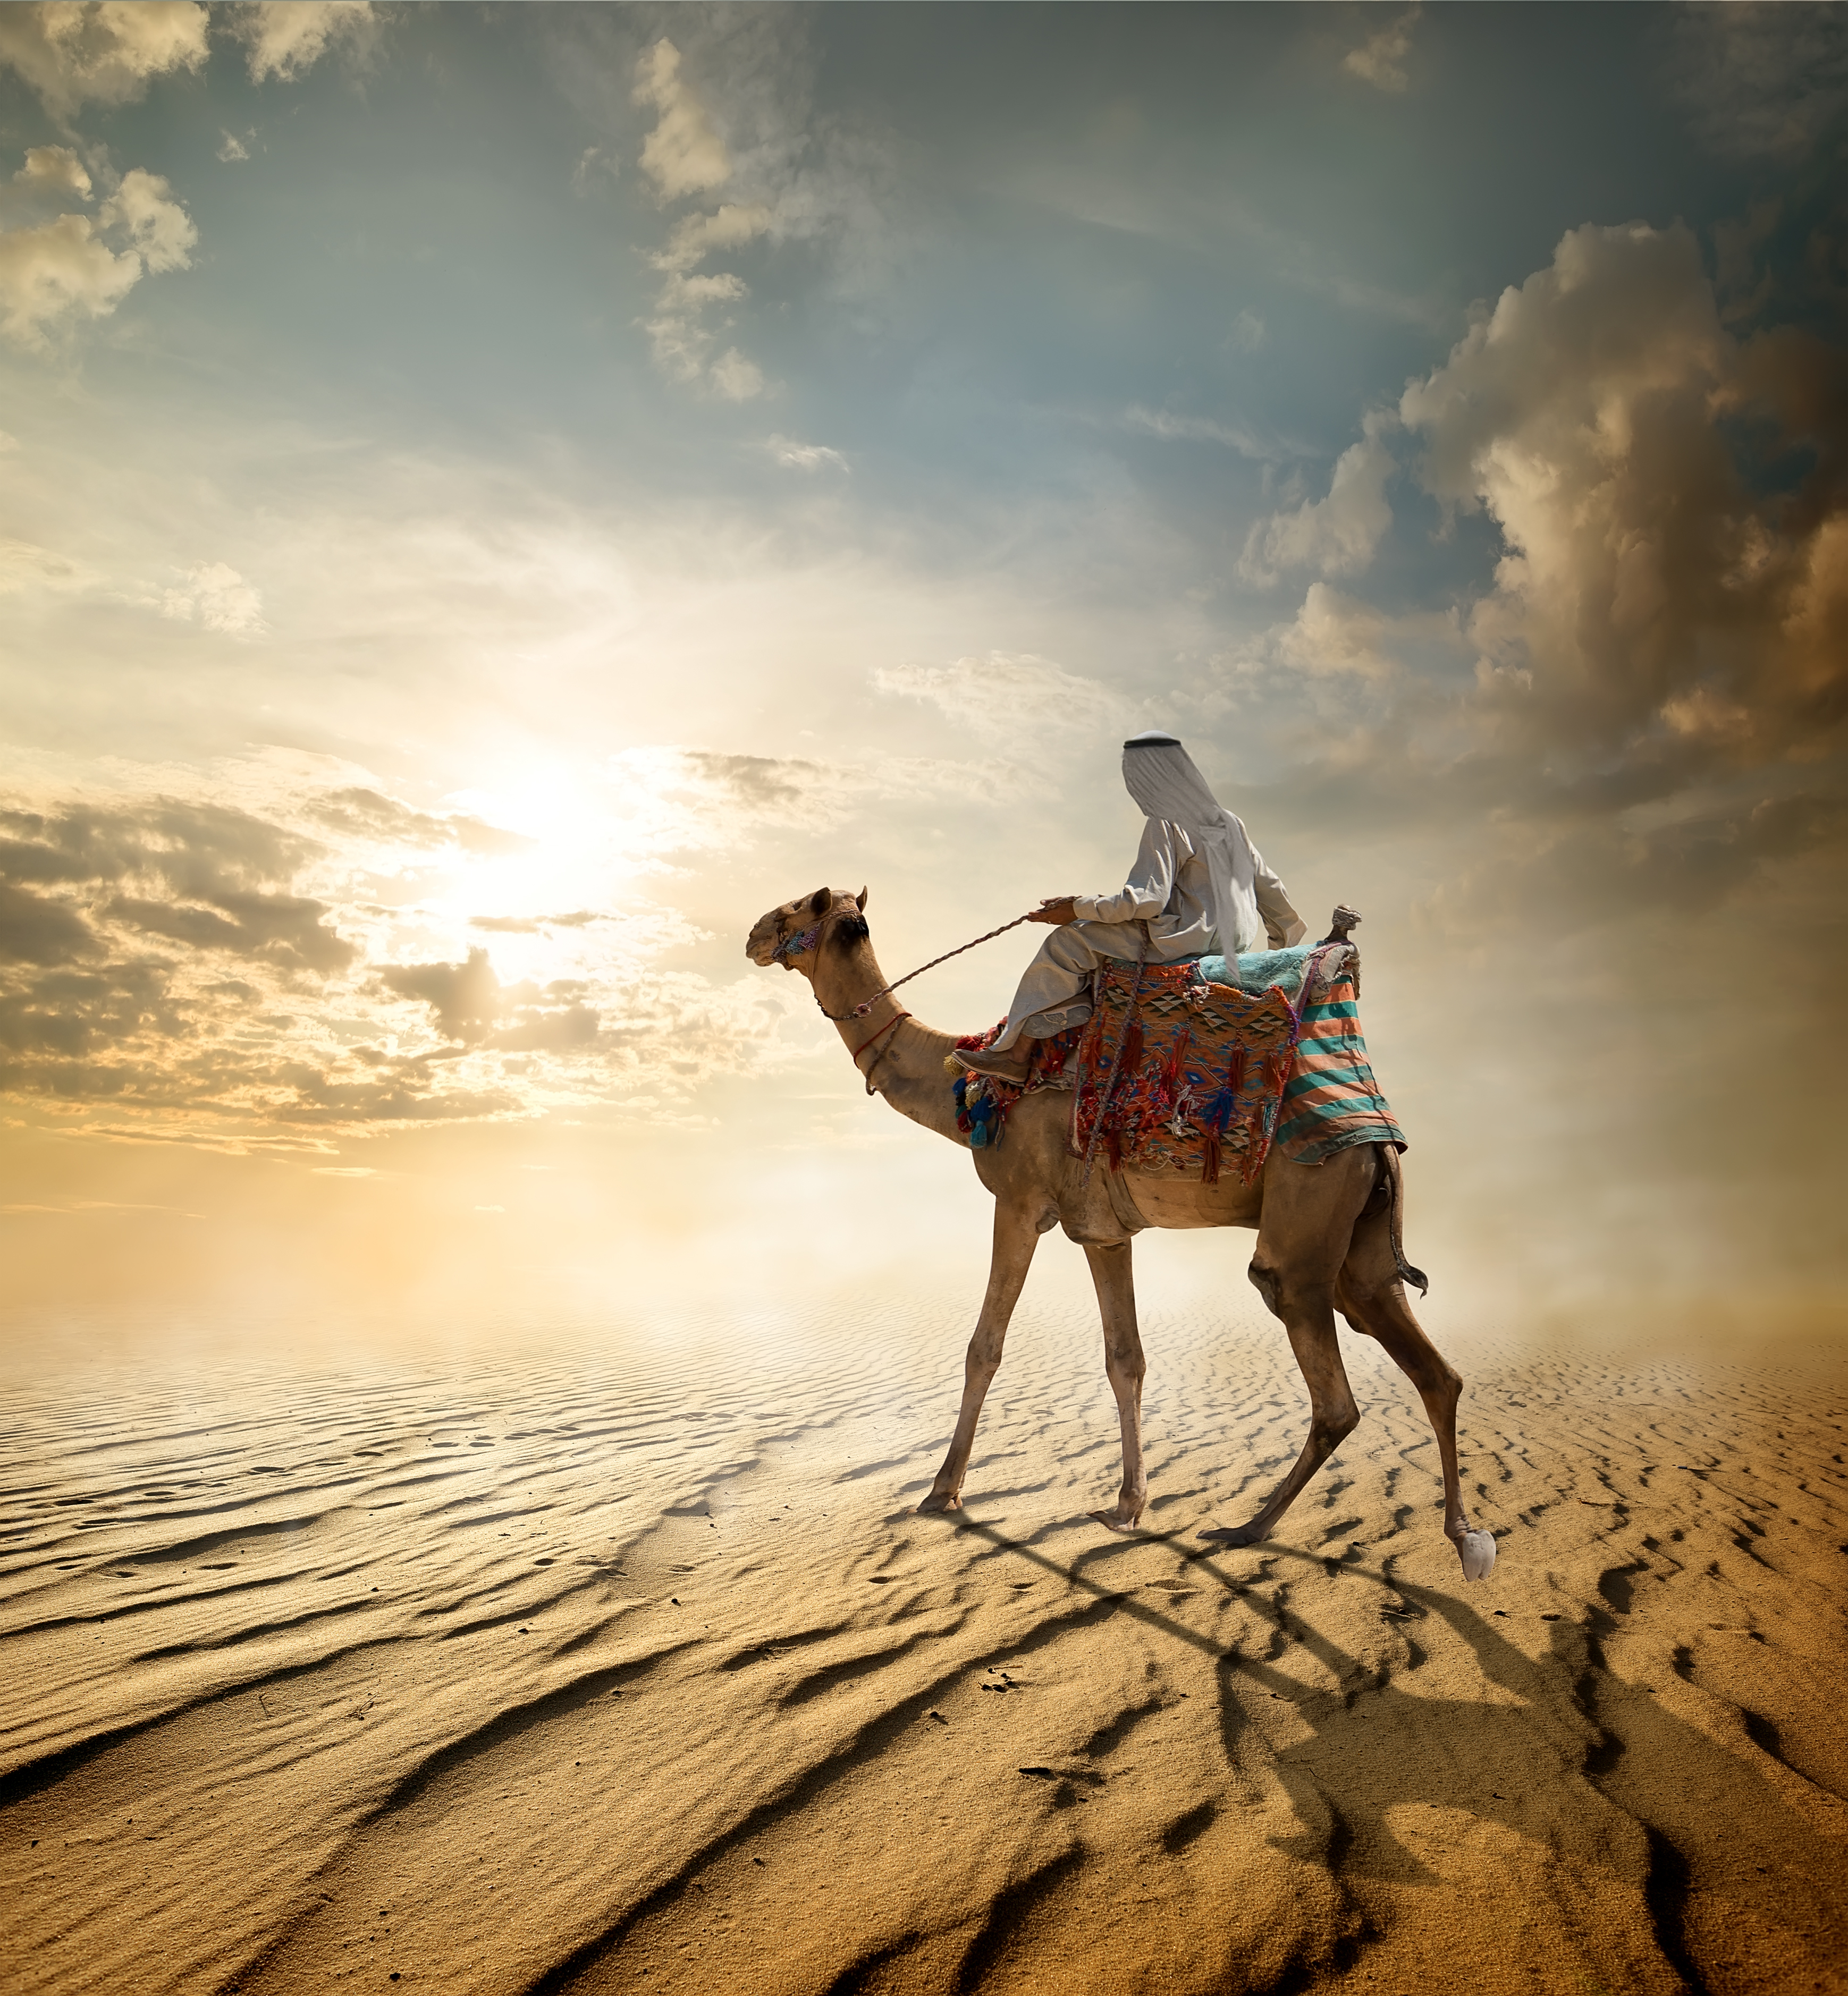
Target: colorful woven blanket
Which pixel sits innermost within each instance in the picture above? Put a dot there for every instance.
(1210, 1074)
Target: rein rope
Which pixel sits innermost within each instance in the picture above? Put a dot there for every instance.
(801, 943)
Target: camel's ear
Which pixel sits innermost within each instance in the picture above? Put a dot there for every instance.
(859, 900)
(821, 900)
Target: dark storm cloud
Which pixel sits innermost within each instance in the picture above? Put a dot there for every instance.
(1764, 82)
(1667, 624)
(1653, 607)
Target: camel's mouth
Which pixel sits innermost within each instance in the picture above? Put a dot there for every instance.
(760, 945)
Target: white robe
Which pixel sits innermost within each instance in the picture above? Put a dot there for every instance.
(1171, 887)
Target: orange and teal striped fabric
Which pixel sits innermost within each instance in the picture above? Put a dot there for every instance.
(1331, 1099)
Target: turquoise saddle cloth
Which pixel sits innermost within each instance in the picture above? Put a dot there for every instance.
(1259, 970)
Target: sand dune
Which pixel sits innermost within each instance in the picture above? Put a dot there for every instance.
(591, 1675)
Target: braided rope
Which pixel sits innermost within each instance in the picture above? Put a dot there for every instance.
(1110, 1086)
(805, 942)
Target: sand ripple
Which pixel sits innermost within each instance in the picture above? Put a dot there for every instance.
(587, 1675)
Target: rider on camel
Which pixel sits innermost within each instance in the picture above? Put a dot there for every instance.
(1198, 885)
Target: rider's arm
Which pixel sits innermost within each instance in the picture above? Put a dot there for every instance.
(1281, 922)
(1145, 893)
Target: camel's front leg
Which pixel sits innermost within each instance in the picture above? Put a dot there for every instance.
(1309, 1319)
(1016, 1236)
(1124, 1366)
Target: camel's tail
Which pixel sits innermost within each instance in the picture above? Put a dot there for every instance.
(1395, 1180)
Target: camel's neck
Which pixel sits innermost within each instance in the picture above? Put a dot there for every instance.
(905, 1060)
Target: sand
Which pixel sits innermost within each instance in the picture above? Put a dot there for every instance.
(597, 1672)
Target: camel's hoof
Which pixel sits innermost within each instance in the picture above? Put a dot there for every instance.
(948, 1501)
(1117, 1524)
(1477, 1550)
(1228, 1535)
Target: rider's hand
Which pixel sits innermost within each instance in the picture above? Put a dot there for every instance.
(1056, 912)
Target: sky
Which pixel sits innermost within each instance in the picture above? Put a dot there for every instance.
(492, 499)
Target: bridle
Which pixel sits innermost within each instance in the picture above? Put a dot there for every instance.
(799, 944)
(805, 941)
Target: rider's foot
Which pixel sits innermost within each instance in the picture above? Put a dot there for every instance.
(1009, 1066)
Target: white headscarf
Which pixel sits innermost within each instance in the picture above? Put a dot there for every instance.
(1161, 776)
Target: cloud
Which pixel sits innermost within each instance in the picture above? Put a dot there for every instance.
(593, 162)
(794, 457)
(54, 170)
(1334, 633)
(577, 918)
(158, 228)
(284, 39)
(1165, 424)
(1003, 685)
(208, 875)
(232, 148)
(684, 153)
(218, 597)
(1248, 333)
(1762, 82)
(1714, 855)
(371, 815)
(24, 567)
(102, 51)
(683, 800)
(285, 929)
(56, 272)
(695, 237)
(1655, 601)
(680, 332)
(735, 378)
(175, 969)
(750, 130)
(681, 339)
(465, 997)
(1336, 536)
(1380, 59)
(35, 929)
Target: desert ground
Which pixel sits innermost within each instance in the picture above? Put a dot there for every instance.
(599, 1670)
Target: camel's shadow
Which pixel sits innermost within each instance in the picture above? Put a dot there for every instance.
(1596, 1772)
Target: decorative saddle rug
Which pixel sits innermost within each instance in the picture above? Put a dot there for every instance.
(1178, 1072)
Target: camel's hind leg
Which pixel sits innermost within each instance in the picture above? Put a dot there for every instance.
(1307, 1221)
(1017, 1234)
(1124, 1366)
(1369, 1294)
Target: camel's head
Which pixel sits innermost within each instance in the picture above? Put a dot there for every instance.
(795, 934)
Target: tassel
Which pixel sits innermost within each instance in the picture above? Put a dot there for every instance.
(1210, 1167)
(1170, 1075)
(1132, 1049)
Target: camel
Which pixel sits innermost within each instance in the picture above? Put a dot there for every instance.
(1328, 1234)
